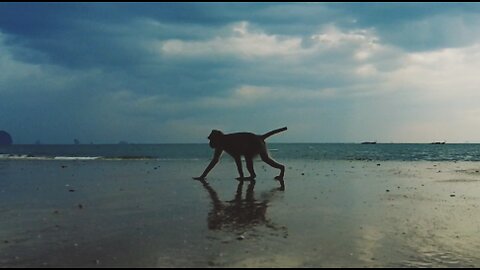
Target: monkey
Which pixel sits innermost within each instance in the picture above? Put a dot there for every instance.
(241, 144)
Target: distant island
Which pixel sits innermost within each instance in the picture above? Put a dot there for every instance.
(369, 142)
(5, 138)
(438, 143)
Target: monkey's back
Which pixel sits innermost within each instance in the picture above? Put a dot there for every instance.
(243, 144)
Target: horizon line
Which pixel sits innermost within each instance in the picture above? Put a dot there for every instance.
(151, 143)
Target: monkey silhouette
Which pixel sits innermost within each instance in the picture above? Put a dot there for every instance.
(244, 144)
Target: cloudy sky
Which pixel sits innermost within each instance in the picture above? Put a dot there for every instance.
(166, 73)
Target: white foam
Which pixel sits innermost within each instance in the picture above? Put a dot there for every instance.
(75, 158)
(23, 157)
(30, 157)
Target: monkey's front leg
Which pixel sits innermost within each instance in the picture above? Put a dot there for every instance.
(215, 159)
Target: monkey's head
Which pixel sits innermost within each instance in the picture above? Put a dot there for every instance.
(215, 138)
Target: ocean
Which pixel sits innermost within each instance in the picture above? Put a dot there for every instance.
(308, 151)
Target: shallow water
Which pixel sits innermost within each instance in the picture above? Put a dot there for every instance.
(151, 213)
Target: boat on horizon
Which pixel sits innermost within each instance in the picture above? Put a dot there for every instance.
(443, 142)
(369, 142)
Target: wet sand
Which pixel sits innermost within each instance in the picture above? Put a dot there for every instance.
(148, 213)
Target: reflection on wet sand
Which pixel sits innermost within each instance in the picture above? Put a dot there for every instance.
(338, 214)
(241, 213)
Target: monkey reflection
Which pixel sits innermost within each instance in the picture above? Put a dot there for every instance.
(244, 144)
(240, 213)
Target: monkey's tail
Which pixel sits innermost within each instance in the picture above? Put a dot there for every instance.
(268, 134)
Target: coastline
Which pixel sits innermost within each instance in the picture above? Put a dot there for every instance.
(150, 213)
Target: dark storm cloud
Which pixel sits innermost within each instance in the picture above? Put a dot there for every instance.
(416, 26)
(86, 35)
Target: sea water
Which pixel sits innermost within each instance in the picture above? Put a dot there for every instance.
(309, 151)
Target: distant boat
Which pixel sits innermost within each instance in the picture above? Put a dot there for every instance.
(438, 143)
(369, 142)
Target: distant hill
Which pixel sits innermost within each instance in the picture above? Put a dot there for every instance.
(5, 138)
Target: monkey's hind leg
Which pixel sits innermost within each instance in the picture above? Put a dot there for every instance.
(274, 164)
(250, 168)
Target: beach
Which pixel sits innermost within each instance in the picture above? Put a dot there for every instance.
(151, 213)
(124, 128)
